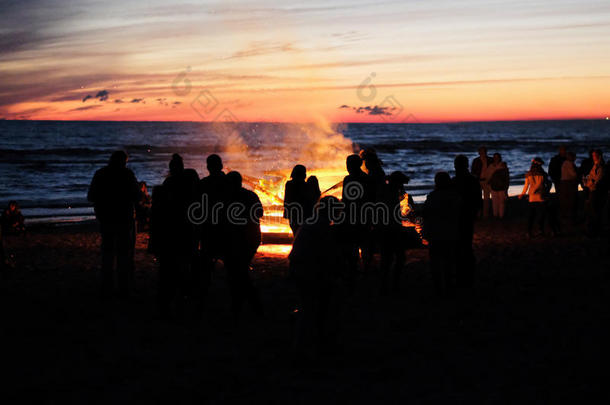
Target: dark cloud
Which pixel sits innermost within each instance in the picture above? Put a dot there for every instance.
(137, 100)
(371, 110)
(85, 108)
(177, 102)
(118, 100)
(102, 95)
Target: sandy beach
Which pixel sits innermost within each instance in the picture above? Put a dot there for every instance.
(533, 329)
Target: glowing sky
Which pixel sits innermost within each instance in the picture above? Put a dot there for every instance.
(429, 60)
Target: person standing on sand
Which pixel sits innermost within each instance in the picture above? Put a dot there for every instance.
(537, 188)
(441, 215)
(298, 199)
(356, 191)
(479, 170)
(114, 192)
(242, 239)
(555, 166)
(498, 180)
(469, 190)
(568, 188)
(12, 220)
(391, 235)
(315, 265)
(596, 182)
(212, 194)
(313, 187)
(583, 171)
(175, 236)
(372, 166)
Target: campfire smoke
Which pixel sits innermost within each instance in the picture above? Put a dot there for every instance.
(265, 154)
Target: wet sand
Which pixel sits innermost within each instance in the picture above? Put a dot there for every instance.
(534, 329)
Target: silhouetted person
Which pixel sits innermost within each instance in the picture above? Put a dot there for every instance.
(568, 188)
(479, 170)
(298, 198)
(441, 215)
(373, 168)
(243, 237)
(315, 264)
(392, 238)
(177, 243)
(143, 208)
(356, 191)
(469, 190)
(13, 222)
(314, 190)
(212, 195)
(537, 188)
(583, 171)
(555, 167)
(498, 181)
(596, 182)
(376, 177)
(114, 192)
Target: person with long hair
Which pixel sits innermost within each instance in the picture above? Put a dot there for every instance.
(537, 188)
(297, 198)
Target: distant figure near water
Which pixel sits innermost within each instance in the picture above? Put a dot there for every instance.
(114, 192)
(568, 189)
(596, 182)
(498, 181)
(479, 170)
(537, 187)
(13, 222)
(555, 166)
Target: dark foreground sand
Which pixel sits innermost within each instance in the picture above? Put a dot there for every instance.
(535, 330)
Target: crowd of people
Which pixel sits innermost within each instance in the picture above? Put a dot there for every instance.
(194, 223)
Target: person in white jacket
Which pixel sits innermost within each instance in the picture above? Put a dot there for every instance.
(537, 188)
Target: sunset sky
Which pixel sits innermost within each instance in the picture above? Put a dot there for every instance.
(428, 61)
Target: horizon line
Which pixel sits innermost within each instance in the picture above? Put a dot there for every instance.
(538, 119)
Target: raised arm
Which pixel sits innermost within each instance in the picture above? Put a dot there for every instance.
(525, 187)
